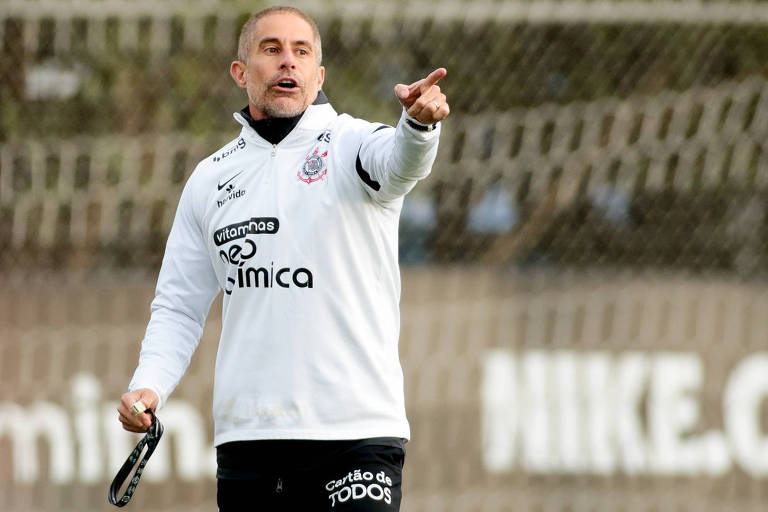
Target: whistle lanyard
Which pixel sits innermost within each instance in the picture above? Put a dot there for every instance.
(150, 440)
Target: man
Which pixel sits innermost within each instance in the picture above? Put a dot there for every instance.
(296, 221)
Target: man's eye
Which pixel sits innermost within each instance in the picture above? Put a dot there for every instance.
(302, 51)
(270, 49)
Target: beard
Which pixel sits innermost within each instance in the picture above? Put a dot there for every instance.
(279, 108)
(273, 104)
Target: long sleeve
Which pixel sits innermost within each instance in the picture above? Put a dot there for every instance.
(391, 161)
(185, 290)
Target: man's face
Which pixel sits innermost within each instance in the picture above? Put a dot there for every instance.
(282, 76)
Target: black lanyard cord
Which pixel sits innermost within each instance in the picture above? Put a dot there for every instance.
(150, 440)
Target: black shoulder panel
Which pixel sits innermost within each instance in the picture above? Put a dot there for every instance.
(375, 185)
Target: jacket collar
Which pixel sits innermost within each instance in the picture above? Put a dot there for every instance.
(275, 130)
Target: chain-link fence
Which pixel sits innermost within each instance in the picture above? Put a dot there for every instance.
(582, 273)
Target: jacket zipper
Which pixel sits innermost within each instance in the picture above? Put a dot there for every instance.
(279, 487)
(274, 150)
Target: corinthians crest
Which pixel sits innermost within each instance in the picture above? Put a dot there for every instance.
(314, 168)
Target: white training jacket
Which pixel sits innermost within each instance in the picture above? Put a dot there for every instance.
(302, 238)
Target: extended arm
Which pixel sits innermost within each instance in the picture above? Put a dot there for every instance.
(390, 163)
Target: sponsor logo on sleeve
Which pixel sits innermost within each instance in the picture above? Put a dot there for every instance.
(240, 144)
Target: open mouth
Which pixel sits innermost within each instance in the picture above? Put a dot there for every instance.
(287, 83)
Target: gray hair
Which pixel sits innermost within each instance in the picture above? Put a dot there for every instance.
(246, 33)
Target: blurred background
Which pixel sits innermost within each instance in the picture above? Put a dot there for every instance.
(584, 296)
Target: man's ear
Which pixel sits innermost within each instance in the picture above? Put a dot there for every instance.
(320, 78)
(237, 71)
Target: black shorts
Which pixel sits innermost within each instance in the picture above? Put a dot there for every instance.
(346, 476)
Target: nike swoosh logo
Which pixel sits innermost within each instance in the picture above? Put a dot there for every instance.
(222, 185)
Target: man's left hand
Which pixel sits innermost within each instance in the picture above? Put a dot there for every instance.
(423, 100)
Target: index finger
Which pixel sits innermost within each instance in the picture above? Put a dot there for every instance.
(431, 80)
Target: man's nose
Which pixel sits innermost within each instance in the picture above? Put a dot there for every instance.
(289, 61)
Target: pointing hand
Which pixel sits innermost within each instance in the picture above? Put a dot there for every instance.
(423, 100)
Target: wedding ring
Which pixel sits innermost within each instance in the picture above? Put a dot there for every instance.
(436, 105)
(138, 407)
